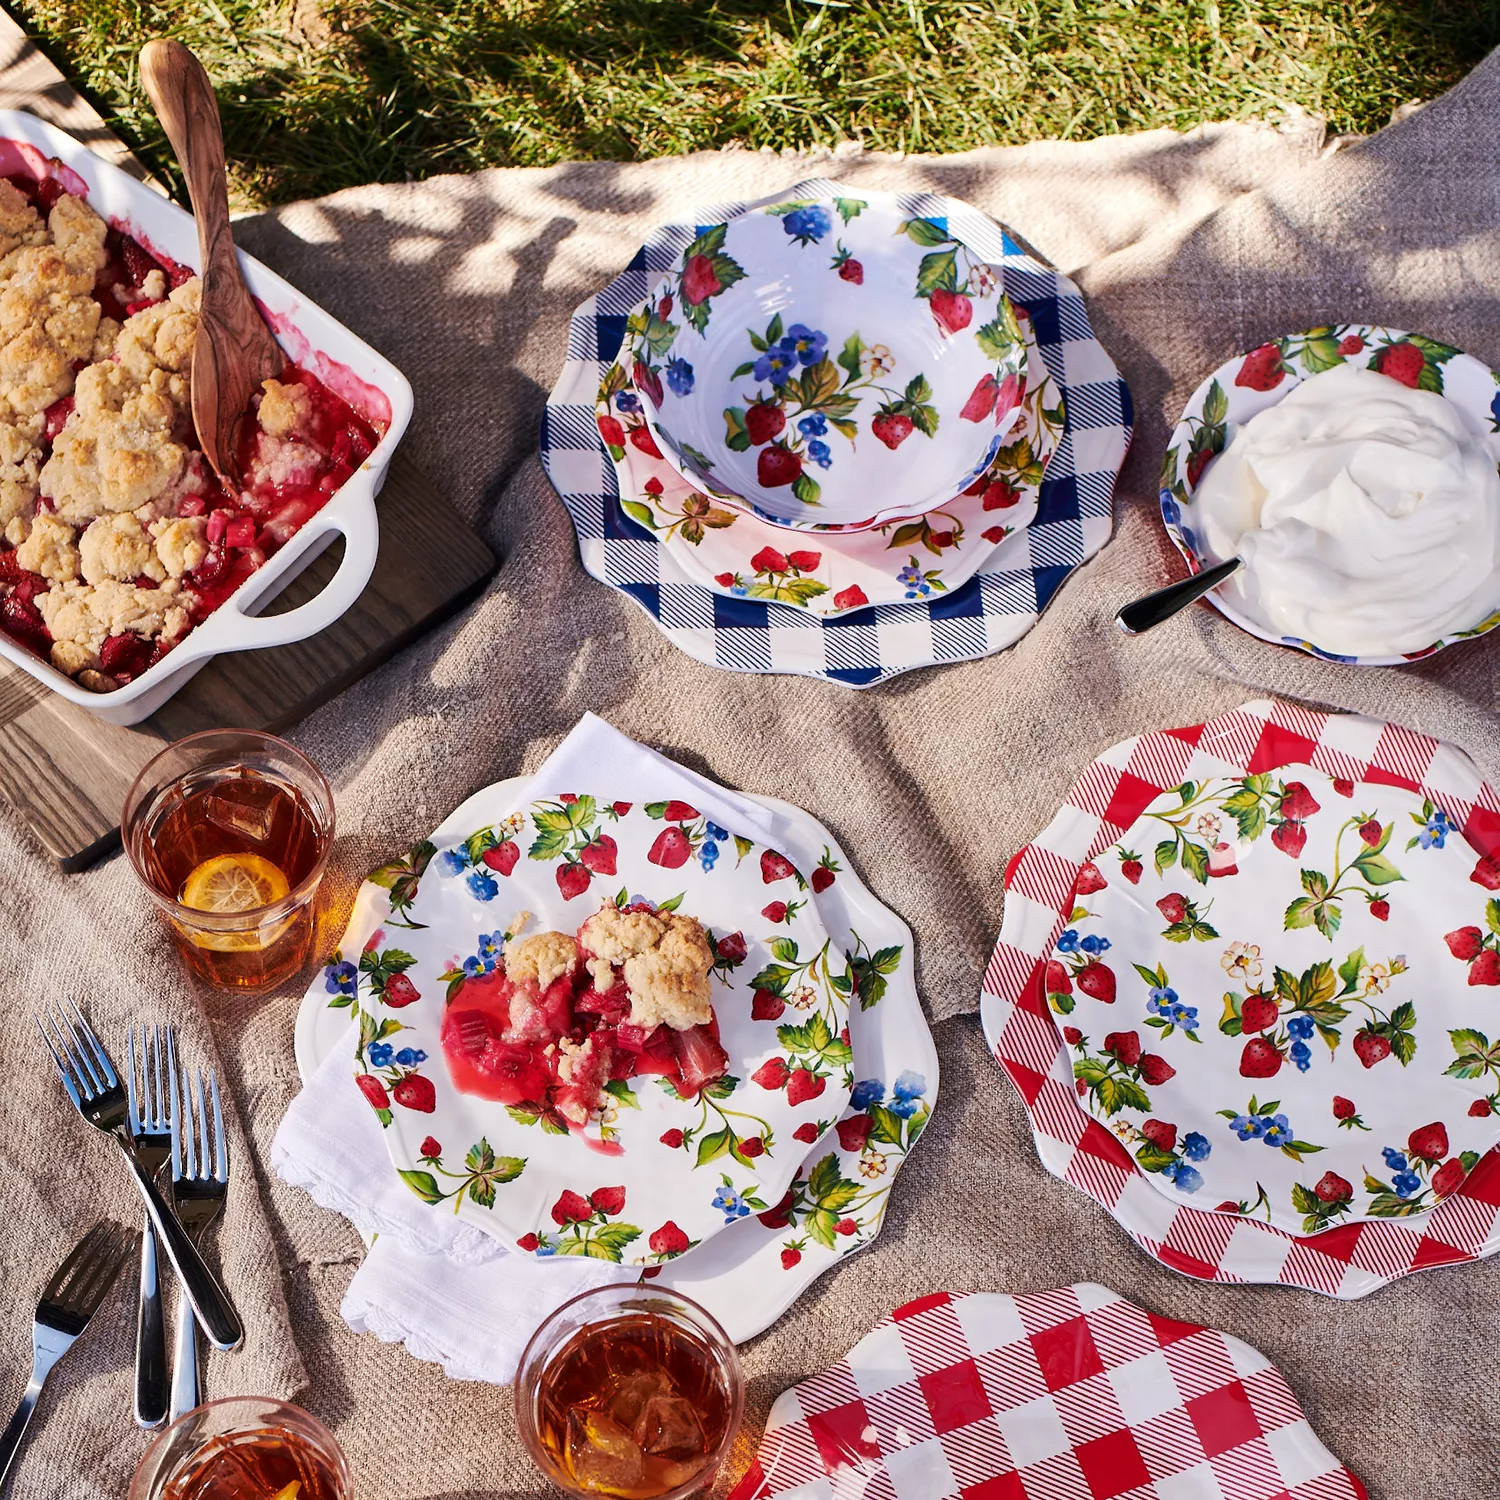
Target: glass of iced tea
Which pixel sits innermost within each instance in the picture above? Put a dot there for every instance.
(630, 1392)
(230, 830)
(244, 1448)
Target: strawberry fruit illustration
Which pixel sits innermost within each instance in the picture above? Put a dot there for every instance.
(852, 271)
(415, 1092)
(1155, 1069)
(1262, 369)
(1430, 1142)
(953, 310)
(572, 879)
(1261, 1060)
(1448, 1177)
(774, 866)
(1403, 362)
(772, 1074)
(1297, 803)
(599, 855)
(777, 466)
(700, 280)
(764, 421)
(1056, 979)
(1090, 880)
(1290, 838)
(502, 857)
(981, 401)
(1173, 907)
(399, 991)
(766, 1005)
(1332, 1188)
(373, 1090)
(668, 1240)
(1161, 1135)
(1097, 981)
(1486, 968)
(892, 428)
(671, 849)
(1257, 1013)
(804, 1085)
(1125, 1046)
(1130, 868)
(1370, 1047)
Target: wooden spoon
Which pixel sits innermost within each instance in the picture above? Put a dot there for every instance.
(235, 351)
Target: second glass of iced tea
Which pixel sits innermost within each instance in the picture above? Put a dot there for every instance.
(230, 831)
(629, 1392)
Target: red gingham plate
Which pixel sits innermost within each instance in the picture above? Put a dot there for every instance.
(1040, 881)
(1073, 1395)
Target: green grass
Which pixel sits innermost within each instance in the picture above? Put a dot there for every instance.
(321, 97)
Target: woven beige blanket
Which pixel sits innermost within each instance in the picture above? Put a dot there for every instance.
(1189, 249)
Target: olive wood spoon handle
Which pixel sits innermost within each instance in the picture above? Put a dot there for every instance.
(1151, 609)
(234, 351)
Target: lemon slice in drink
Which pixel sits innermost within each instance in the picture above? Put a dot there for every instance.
(230, 883)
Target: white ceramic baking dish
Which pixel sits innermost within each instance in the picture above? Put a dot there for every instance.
(312, 339)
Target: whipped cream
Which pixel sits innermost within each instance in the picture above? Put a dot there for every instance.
(1367, 515)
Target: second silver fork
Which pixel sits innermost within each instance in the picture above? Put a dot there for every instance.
(151, 1108)
(200, 1182)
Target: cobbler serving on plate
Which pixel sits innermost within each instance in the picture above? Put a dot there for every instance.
(116, 537)
(566, 1015)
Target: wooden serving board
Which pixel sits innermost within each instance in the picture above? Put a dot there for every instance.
(66, 771)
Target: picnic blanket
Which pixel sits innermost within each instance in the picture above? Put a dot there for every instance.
(1189, 248)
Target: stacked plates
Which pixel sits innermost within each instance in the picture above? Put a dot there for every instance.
(741, 1197)
(901, 476)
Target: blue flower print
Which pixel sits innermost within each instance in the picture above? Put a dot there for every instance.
(1185, 1016)
(1276, 1130)
(628, 401)
(1094, 945)
(409, 1057)
(544, 1250)
(867, 1092)
(1495, 412)
(808, 344)
(341, 978)
(490, 944)
(1159, 1001)
(717, 834)
(1248, 1127)
(808, 224)
(1300, 1026)
(1068, 942)
(1394, 1159)
(474, 967)
(910, 577)
(1301, 1054)
(907, 1091)
(483, 886)
(775, 365)
(1435, 830)
(1184, 1178)
(380, 1054)
(820, 453)
(680, 376)
(456, 861)
(730, 1204)
(1195, 1147)
(1170, 511)
(815, 424)
(709, 854)
(1406, 1183)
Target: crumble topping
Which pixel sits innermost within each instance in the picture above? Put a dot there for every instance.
(81, 617)
(665, 958)
(543, 957)
(49, 550)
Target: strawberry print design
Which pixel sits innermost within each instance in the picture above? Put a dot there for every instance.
(1264, 1123)
(1117, 1077)
(482, 1173)
(585, 1227)
(1479, 947)
(1081, 967)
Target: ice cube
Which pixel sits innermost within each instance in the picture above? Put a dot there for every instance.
(602, 1455)
(245, 808)
(668, 1427)
(625, 1396)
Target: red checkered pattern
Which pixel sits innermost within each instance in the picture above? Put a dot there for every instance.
(1349, 1261)
(1068, 1395)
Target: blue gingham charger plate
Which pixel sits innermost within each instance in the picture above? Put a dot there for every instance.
(994, 609)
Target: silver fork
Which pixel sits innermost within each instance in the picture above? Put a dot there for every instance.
(72, 1297)
(94, 1087)
(150, 1124)
(200, 1182)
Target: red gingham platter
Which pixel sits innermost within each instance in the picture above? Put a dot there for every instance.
(1075, 1394)
(1349, 1261)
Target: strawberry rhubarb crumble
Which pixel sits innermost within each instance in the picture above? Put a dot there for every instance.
(566, 1015)
(116, 538)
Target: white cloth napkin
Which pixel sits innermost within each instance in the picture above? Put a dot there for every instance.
(451, 1293)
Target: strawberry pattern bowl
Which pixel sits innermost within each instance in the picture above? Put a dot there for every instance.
(510, 1111)
(124, 565)
(1250, 384)
(828, 361)
(1272, 991)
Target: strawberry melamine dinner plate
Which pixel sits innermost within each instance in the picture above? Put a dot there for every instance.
(1292, 758)
(748, 1275)
(682, 1143)
(741, 556)
(1075, 1394)
(1259, 999)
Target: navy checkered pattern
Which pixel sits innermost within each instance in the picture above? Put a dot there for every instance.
(989, 612)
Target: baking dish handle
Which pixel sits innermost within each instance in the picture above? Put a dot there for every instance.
(361, 532)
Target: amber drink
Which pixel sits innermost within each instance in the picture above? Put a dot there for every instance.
(230, 831)
(629, 1392)
(244, 1448)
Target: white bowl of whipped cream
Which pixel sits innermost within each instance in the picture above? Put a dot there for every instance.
(1353, 471)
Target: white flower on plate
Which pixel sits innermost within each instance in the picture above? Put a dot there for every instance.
(1374, 979)
(1208, 825)
(805, 998)
(872, 1165)
(982, 281)
(1241, 960)
(877, 360)
(515, 822)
